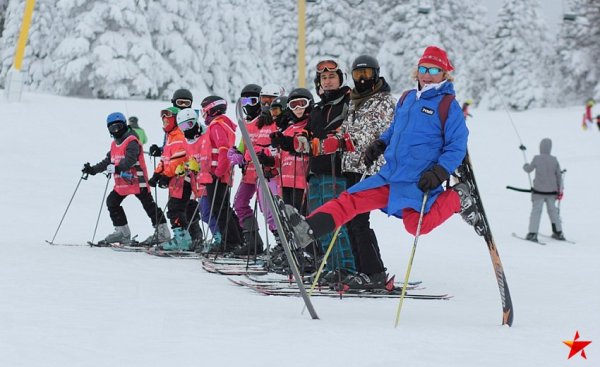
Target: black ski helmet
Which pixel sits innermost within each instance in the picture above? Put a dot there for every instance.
(219, 105)
(339, 73)
(182, 94)
(301, 93)
(251, 90)
(280, 102)
(366, 61)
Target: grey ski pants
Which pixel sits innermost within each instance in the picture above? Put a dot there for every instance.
(537, 203)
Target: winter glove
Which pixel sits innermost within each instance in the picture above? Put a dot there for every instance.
(276, 138)
(373, 151)
(265, 160)
(301, 144)
(192, 165)
(433, 178)
(559, 196)
(155, 150)
(163, 181)
(88, 169)
(180, 170)
(331, 144)
(235, 157)
(110, 168)
(154, 179)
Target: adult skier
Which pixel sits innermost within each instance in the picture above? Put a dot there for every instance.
(125, 161)
(547, 188)
(419, 157)
(371, 110)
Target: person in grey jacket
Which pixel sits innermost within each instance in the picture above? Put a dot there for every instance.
(547, 188)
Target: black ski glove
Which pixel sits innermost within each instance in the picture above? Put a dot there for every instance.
(155, 150)
(276, 139)
(163, 181)
(265, 160)
(433, 178)
(88, 169)
(373, 151)
(154, 179)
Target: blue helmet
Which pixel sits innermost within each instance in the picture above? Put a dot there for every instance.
(115, 117)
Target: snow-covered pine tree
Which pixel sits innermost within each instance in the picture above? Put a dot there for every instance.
(12, 23)
(284, 42)
(574, 46)
(407, 39)
(181, 42)
(328, 36)
(593, 15)
(519, 58)
(465, 39)
(3, 7)
(368, 30)
(107, 51)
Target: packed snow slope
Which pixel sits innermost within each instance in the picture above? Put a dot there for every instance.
(80, 306)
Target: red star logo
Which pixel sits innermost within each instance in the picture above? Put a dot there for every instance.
(577, 345)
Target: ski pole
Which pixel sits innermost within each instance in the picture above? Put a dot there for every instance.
(412, 256)
(101, 203)
(84, 176)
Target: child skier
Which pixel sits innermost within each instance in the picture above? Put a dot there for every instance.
(125, 161)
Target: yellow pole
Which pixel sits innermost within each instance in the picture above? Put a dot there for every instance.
(301, 43)
(23, 35)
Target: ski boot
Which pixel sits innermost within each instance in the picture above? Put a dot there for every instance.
(161, 234)
(197, 237)
(556, 234)
(182, 241)
(531, 236)
(364, 281)
(254, 244)
(302, 232)
(209, 246)
(468, 209)
(122, 235)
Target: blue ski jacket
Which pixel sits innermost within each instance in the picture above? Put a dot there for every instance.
(415, 143)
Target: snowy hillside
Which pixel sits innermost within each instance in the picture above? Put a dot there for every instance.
(79, 306)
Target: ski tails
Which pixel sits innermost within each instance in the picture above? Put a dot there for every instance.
(467, 176)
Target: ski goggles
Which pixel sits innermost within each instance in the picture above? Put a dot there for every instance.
(180, 102)
(210, 106)
(166, 113)
(295, 104)
(363, 73)
(266, 100)
(187, 124)
(434, 70)
(249, 101)
(116, 126)
(327, 65)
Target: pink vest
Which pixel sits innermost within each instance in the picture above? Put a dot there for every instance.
(294, 168)
(200, 149)
(261, 140)
(173, 154)
(124, 186)
(213, 151)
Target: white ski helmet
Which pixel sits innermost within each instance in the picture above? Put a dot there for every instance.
(187, 118)
(272, 90)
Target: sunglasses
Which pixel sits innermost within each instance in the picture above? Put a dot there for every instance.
(327, 65)
(432, 70)
(298, 103)
(250, 101)
(183, 102)
(186, 125)
(364, 73)
(115, 127)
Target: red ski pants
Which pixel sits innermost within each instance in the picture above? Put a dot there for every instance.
(347, 206)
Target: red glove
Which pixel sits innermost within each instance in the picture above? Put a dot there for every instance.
(559, 196)
(331, 144)
(348, 143)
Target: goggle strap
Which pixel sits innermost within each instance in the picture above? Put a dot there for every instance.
(216, 103)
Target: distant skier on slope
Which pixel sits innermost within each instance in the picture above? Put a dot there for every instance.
(547, 188)
(587, 116)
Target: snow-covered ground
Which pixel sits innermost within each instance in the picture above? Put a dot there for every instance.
(80, 306)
